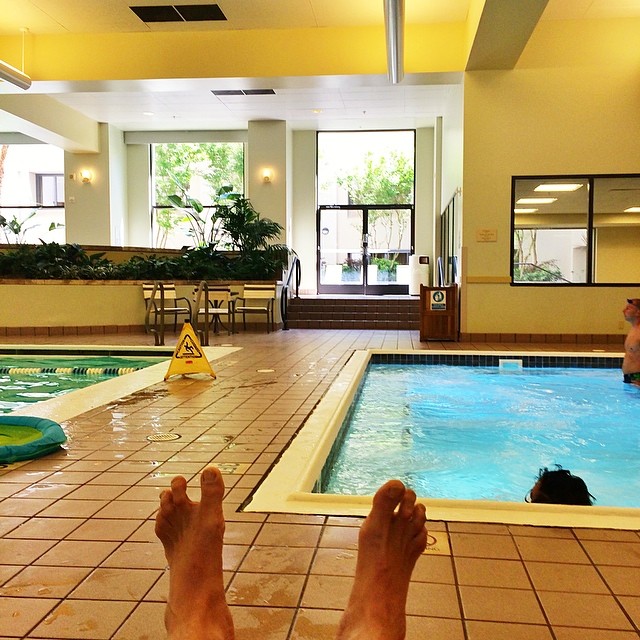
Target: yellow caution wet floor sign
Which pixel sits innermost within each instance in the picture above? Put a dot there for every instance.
(188, 356)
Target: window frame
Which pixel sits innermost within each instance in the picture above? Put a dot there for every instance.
(591, 230)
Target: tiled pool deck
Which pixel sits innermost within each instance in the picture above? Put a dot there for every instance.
(78, 557)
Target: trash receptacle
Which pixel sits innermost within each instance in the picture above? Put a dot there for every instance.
(418, 273)
(439, 313)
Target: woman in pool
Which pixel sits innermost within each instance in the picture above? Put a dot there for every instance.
(559, 486)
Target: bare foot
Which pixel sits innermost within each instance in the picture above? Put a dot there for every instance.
(191, 534)
(389, 545)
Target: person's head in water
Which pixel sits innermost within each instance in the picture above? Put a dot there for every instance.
(560, 486)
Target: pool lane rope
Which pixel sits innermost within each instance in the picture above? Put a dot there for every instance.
(81, 371)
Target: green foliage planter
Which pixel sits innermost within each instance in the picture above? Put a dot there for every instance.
(240, 250)
(71, 262)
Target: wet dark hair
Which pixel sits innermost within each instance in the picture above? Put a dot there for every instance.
(560, 486)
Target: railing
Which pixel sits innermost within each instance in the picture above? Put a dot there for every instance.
(295, 272)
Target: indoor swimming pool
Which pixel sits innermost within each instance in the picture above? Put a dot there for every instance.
(295, 482)
(25, 380)
(482, 433)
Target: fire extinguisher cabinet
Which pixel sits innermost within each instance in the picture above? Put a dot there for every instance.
(439, 313)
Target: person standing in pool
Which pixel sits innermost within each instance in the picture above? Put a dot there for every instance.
(631, 362)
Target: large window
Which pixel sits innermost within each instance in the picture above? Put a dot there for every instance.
(200, 171)
(31, 194)
(575, 229)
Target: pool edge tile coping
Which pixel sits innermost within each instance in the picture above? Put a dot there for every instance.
(288, 486)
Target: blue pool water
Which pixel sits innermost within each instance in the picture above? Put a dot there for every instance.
(25, 380)
(477, 433)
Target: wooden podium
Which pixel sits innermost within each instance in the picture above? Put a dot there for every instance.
(439, 313)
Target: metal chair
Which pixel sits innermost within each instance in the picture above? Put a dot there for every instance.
(260, 299)
(162, 301)
(211, 304)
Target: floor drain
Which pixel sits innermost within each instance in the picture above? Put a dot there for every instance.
(163, 437)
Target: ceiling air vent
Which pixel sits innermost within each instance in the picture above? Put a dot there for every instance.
(179, 13)
(243, 92)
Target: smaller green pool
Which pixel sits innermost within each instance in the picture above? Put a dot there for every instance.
(25, 380)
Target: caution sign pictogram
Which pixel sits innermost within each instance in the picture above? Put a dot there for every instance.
(188, 356)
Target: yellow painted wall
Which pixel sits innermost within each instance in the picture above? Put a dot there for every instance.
(573, 118)
(224, 54)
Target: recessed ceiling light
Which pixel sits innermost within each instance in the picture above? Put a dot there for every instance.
(562, 186)
(148, 113)
(632, 210)
(524, 210)
(536, 200)
(316, 110)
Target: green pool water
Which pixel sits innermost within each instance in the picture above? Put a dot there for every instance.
(28, 379)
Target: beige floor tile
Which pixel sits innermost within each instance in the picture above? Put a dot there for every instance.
(540, 532)
(549, 576)
(340, 537)
(9, 523)
(77, 553)
(265, 589)
(241, 532)
(619, 553)
(429, 599)
(47, 528)
(80, 619)
(560, 551)
(18, 615)
(116, 584)
(500, 605)
(7, 571)
(334, 562)
(420, 627)
(293, 535)
(294, 560)
(622, 580)
(69, 508)
(263, 622)
(327, 592)
(477, 630)
(316, 624)
(607, 534)
(632, 606)
(483, 546)
(22, 507)
(128, 509)
(481, 572)
(137, 555)
(145, 622)
(232, 556)
(25, 552)
(44, 582)
(95, 492)
(583, 610)
(580, 633)
(45, 490)
(433, 568)
(105, 530)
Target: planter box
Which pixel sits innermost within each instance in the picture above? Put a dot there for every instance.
(73, 307)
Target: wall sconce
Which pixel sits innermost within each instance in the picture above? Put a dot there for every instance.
(86, 176)
(267, 175)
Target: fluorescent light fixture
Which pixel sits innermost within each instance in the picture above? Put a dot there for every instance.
(632, 210)
(561, 186)
(524, 210)
(394, 28)
(536, 200)
(14, 76)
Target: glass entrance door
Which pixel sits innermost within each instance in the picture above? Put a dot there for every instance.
(364, 249)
